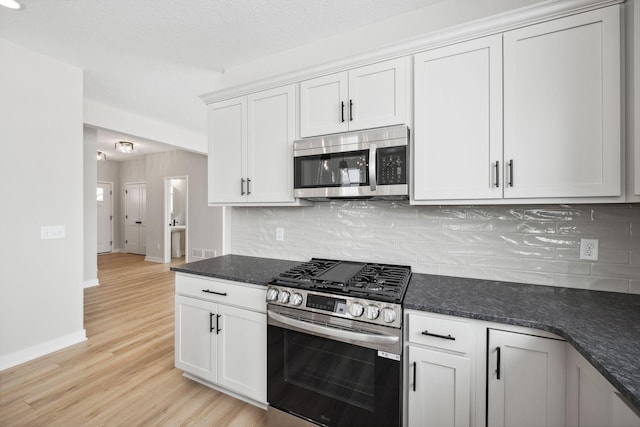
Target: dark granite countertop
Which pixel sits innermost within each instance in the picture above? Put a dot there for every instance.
(603, 326)
(246, 269)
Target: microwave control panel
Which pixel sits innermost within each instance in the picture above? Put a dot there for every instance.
(392, 165)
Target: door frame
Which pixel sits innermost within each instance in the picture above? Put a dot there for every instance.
(167, 216)
(110, 184)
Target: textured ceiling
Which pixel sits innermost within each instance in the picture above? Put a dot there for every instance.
(155, 57)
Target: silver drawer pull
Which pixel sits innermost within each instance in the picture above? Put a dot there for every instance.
(445, 337)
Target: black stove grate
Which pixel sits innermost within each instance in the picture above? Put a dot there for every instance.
(381, 282)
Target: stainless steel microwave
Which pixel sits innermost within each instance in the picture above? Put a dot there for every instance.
(373, 163)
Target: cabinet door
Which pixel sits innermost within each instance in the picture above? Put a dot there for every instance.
(195, 337)
(441, 395)
(242, 352)
(227, 121)
(324, 105)
(562, 120)
(271, 116)
(377, 95)
(458, 121)
(591, 399)
(526, 380)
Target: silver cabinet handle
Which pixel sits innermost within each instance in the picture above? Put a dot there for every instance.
(373, 150)
(242, 186)
(248, 186)
(333, 332)
(497, 166)
(510, 169)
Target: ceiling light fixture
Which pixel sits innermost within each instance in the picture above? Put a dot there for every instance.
(124, 146)
(101, 156)
(11, 4)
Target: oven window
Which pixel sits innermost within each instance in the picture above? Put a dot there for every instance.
(332, 382)
(345, 169)
(323, 366)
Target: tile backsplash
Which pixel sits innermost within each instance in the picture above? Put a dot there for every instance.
(528, 244)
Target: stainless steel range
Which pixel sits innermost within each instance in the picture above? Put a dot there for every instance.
(334, 344)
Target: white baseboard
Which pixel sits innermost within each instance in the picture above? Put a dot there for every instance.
(22, 356)
(262, 405)
(154, 259)
(90, 283)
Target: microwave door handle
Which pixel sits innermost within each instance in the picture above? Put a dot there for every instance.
(333, 332)
(373, 151)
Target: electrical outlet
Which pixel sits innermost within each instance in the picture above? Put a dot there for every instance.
(589, 249)
(279, 234)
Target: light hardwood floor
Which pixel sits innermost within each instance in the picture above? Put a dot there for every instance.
(123, 374)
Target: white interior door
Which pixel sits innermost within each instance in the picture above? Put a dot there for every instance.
(104, 195)
(134, 218)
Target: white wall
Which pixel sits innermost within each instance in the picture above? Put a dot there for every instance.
(90, 167)
(109, 117)
(204, 224)
(109, 171)
(41, 281)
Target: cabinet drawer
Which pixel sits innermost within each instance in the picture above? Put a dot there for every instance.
(447, 334)
(222, 291)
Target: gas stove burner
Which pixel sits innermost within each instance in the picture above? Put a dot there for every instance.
(383, 282)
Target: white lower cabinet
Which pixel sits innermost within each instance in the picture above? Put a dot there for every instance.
(441, 387)
(221, 335)
(242, 352)
(196, 342)
(526, 380)
(591, 399)
(440, 355)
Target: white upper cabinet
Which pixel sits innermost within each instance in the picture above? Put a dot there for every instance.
(227, 150)
(271, 133)
(458, 121)
(251, 148)
(562, 118)
(322, 105)
(553, 88)
(362, 98)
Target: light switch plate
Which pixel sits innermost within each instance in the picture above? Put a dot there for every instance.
(52, 232)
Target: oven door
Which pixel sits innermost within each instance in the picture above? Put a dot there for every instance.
(331, 371)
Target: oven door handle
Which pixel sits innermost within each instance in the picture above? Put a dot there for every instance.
(333, 332)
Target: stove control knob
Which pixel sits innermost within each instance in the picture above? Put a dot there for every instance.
(389, 314)
(356, 309)
(272, 294)
(296, 299)
(284, 297)
(372, 312)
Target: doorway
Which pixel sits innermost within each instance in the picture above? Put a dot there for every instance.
(176, 213)
(104, 199)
